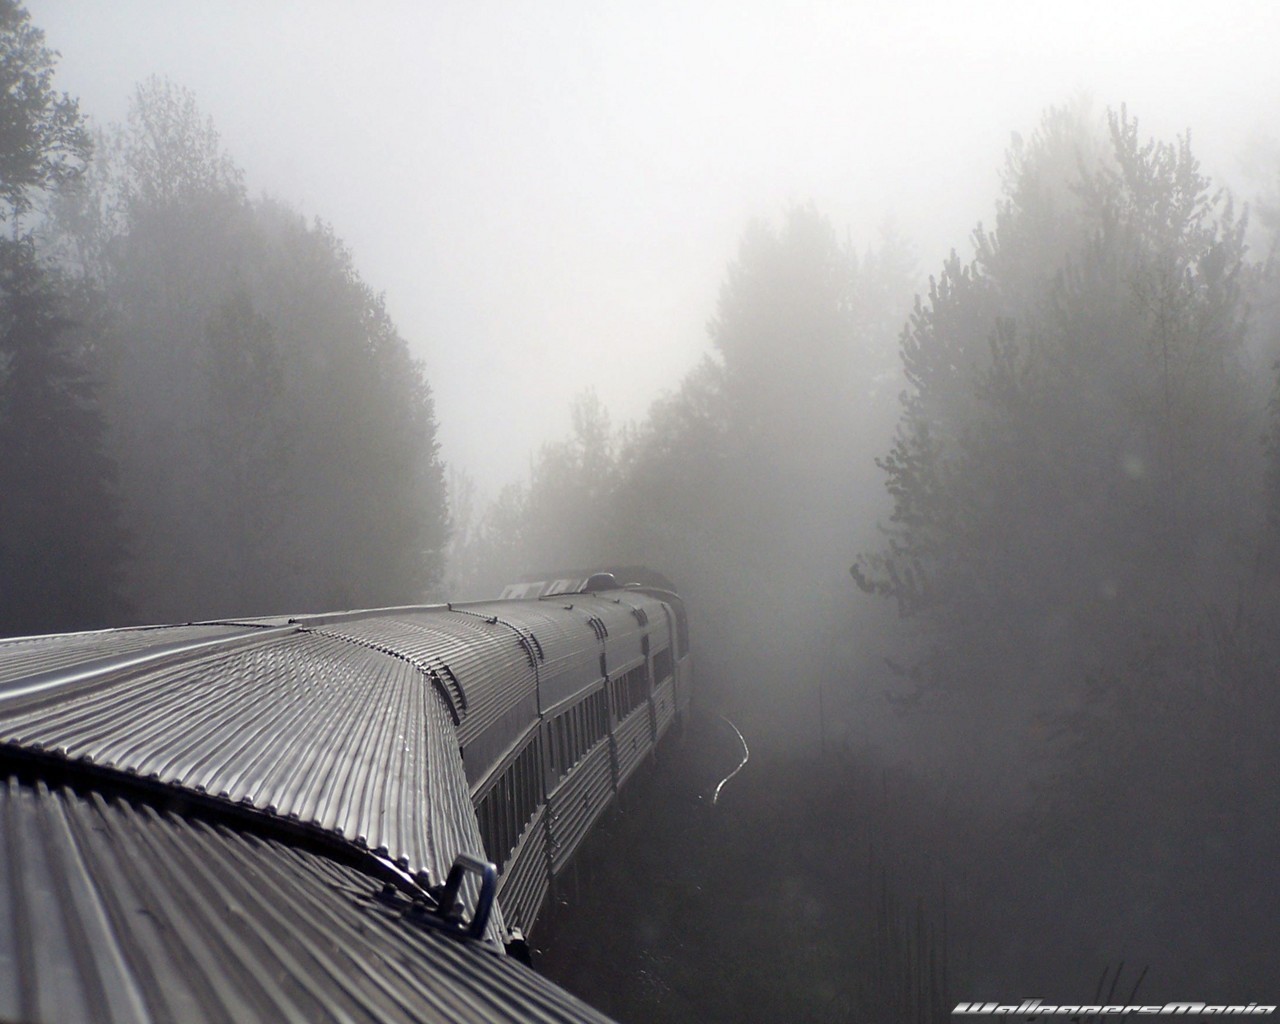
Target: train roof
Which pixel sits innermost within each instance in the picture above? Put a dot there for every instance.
(291, 722)
(118, 910)
(246, 820)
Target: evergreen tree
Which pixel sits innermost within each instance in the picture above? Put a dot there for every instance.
(276, 438)
(249, 441)
(365, 473)
(61, 544)
(43, 140)
(1074, 459)
(744, 480)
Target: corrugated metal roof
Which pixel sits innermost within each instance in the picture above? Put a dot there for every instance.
(23, 657)
(622, 646)
(481, 664)
(569, 645)
(656, 612)
(303, 726)
(646, 603)
(112, 911)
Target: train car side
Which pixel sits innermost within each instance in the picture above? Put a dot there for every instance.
(337, 762)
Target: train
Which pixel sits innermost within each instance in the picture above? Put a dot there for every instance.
(347, 816)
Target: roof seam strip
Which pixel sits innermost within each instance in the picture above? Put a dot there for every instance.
(432, 677)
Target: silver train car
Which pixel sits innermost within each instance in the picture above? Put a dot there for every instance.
(342, 817)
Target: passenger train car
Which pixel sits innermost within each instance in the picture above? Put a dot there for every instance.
(352, 816)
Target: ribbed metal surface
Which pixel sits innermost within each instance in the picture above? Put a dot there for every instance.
(664, 706)
(577, 802)
(633, 739)
(655, 611)
(24, 657)
(524, 882)
(482, 664)
(664, 637)
(111, 912)
(623, 642)
(569, 646)
(303, 726)
(678, 615)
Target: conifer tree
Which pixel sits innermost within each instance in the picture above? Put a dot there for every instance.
(62, 547)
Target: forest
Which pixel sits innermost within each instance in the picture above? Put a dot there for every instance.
(204, 410)
(988, 572)
(1035, 749)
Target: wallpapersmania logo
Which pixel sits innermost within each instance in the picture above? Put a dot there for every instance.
(1033, 1009)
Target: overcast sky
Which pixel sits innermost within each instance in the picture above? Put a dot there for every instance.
(549, 193)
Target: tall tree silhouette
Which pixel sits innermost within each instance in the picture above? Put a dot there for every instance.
(61, 543)
(1078, 442)
(276, 437)
(43, 140)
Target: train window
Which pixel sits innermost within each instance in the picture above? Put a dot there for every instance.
(503, 814)
(532, 791)
(521, 784)
(662, 664)
(484, 831)
(559, 748)
(498, 851)
(535, 786)
(562, 743)
(575, 732)
(494, 846)
(520, 795)
(489, 831)
(506, 810)
(510, 793)
(631, 689)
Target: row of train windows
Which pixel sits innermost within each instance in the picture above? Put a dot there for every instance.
(630, 690)
(573, 733)
(510, 803)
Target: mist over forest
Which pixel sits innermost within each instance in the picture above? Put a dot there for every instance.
(981, 546)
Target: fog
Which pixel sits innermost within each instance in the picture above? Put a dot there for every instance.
(925, 347)
(548, 194)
